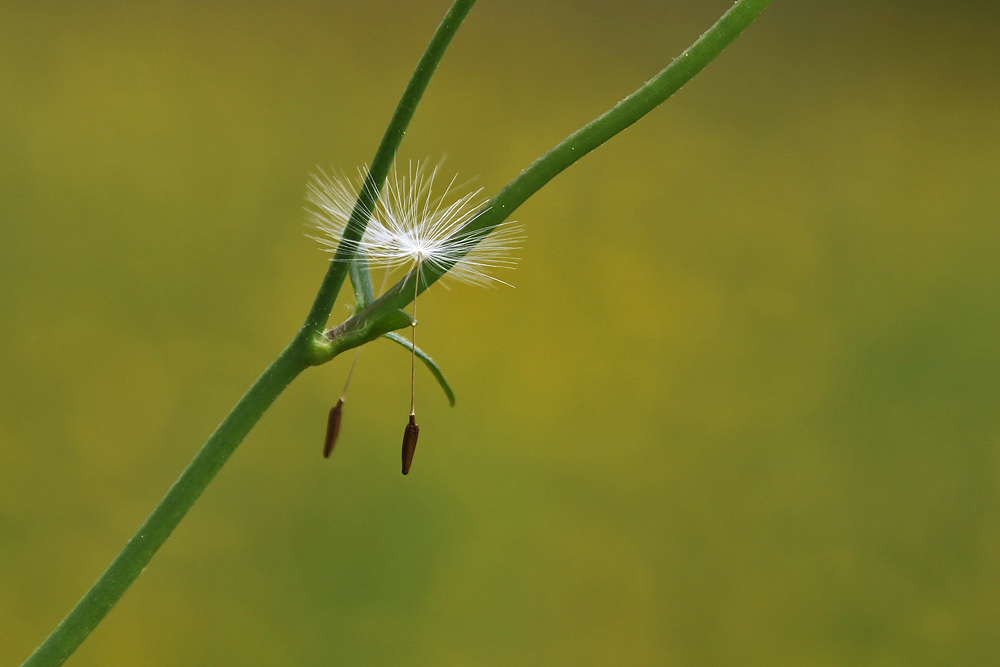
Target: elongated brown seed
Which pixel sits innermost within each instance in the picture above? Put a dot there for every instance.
(410, 443)
(332, 428)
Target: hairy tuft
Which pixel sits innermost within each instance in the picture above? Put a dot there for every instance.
(411, 225)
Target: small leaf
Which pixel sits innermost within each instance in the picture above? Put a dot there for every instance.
(362, 283)
(431, 366)
(393, 320)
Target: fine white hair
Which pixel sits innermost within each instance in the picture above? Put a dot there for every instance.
(410, 225)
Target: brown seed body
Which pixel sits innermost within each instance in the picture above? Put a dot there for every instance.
(410, 443)
(332, 428)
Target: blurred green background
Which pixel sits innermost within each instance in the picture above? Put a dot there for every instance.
(741, 408)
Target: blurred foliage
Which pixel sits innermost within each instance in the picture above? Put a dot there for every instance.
(741, 408)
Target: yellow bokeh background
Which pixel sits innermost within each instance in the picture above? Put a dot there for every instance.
(740, 409)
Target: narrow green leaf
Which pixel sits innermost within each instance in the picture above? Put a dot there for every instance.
(391, 321)
(362, 282)
(431, 366)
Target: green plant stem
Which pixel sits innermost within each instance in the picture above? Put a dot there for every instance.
(308, 348)
(343, 259)
(653, 93)
(155, 530)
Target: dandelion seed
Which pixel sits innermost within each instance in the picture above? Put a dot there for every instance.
(337, 411)
(410, 225)
(411, 228)
(333, 427)
(410, 435)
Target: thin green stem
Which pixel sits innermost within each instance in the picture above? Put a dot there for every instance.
(342, 261)
(653, 93)
(379, 316)
(138, 551)
(306, 349)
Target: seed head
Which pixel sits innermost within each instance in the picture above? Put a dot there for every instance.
(411, 226)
